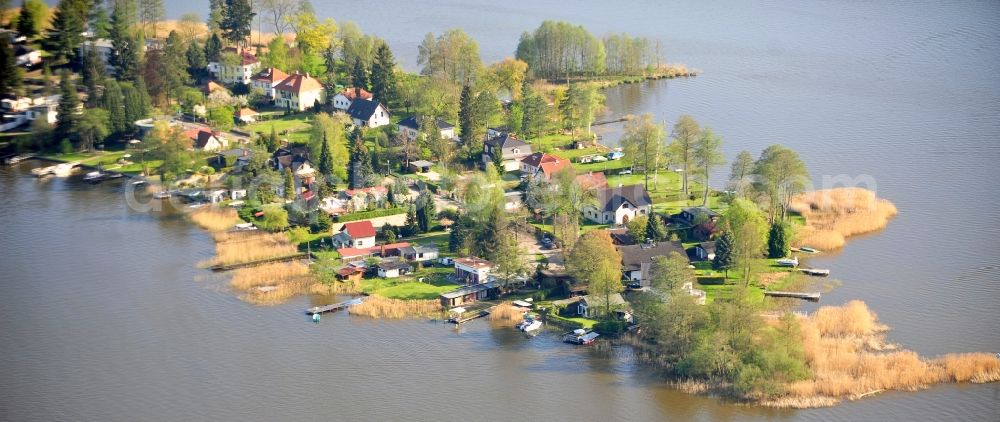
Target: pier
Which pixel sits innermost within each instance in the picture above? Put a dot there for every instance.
(333, 307)
(285, 258)
(812, 297)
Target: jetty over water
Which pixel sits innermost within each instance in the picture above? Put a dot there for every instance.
(285, 258)
(812, 297)
(333, 307)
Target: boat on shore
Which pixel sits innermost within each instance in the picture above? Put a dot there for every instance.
(788, 262)
(162, 195)
(17, 158)
(805, 249)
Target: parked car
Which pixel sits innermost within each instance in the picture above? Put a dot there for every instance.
(634, 285)
(446, 261)
(624, 172)
(616, 155)
(599, 159)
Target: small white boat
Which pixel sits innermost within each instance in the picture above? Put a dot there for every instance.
(92, 176)
(807, 249)
(161, 195)
(138, 182)
(529, 324)
(788, 262)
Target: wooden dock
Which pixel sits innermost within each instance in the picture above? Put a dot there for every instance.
(464, 319)
(812, 297)
(333, 307)
(285, 258)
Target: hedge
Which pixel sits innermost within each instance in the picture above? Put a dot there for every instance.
(711, 280)
(364, 215)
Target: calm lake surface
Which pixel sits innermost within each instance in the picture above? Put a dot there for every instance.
(104, 315)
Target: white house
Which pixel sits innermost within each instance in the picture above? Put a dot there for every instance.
(541, 164)
(356, 234)
(298, 92)
(618, 205)
(27, 56)
(207, 140)
(241, 71)
(419, 253)
(410, 127)
(246, 115)
(267, 79)
(510, 149)
(393, 269)
(368, 113)
(342, 101)
(472, 270)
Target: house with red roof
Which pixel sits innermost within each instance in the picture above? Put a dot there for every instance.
(246, 115)
(207, 139)
(298, 92)
(267, 79)
(541, 164)
(356, 234)
(342, 101)
(592, 180)
(235, 66)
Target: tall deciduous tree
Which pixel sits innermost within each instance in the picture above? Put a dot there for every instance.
(507, 259)
(278, 12)
(643, 142)
(780, 174)
(685, 136)
(708, 154)
(744, 221)
(596, 262)
(671, 272)
(739, 173)
(92, 127)
(151, 12)
(453, 54)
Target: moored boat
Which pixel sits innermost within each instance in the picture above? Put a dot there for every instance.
(788, 262)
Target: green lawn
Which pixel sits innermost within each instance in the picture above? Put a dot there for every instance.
(408, 288)
(439, 238)
(295, 124)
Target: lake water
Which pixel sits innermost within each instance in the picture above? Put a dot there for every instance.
(105, 317)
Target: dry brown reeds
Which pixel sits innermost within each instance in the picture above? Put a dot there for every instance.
(846, 351)
(336, 288)
(505, 313)
(381, 307)
(215, 219)
(832, 215)
(279, 293)
(267, 275)
(251, 247)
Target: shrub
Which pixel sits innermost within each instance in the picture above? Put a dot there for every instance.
(610, 327)
(365, 215)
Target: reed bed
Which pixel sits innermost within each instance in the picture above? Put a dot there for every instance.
(381, 307)
(832, 215)
(268, 275)
(280, 293)
(846, 351)
(252, 247)
(505, 313)
(215, 219)
(336, 288)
